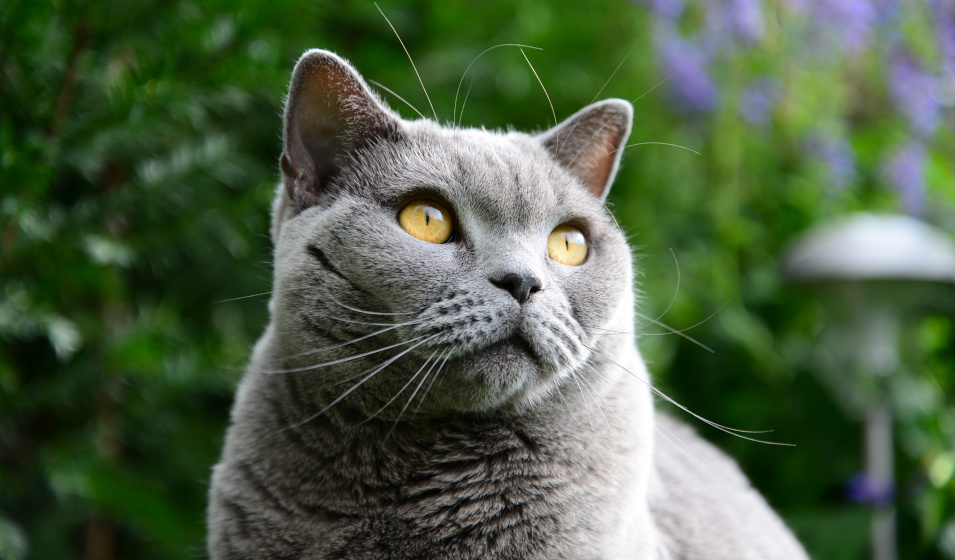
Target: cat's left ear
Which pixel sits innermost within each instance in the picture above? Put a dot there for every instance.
(590, 142)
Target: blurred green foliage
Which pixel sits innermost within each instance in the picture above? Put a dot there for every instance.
(138, 143)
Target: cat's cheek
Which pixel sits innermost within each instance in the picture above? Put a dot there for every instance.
(601, 285)
(382, 260)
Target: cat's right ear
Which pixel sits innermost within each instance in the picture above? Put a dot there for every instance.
(330, 112)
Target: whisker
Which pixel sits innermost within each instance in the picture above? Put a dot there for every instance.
(356, 310)
(646, 93)
(428, 97)
(243, 297)
(339, 345)
(402, 99)
(564, 329)
(615, 70)
(374, 372)
(643, 334)
(454, 113)
(677, 290)
(657, 144)
(356, 322)
(410, 381)
(672, 438)
(732, 431)
(711, 315)
(552, 112)
(465, 102)
(558, 329)
(594, 392)
(611, 331)
(573, 128)
(673, 331)
(569, 408)
(437, 374)
(444, 355)
(348, 359)
(586, 144)
(593, 396)
(607, 205)
(289, 289)
(679, 444)
(590, 418)
(405, 407)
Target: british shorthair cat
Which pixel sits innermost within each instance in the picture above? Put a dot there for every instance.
(443, 376)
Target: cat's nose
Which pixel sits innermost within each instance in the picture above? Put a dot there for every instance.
(521, 286)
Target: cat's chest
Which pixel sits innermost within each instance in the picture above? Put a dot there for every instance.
(514, 484)
(510, 505)
(465, 489)
(501, 495)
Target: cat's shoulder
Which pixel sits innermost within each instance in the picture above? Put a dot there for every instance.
(705, 507)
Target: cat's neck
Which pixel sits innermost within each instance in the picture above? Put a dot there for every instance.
(577, 423)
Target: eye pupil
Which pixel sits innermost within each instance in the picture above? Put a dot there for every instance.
(566, 243)
(427, 218)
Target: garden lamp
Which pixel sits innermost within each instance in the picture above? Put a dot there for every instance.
(876, 268)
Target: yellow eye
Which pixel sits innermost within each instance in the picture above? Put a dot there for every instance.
(426, 220)
(567, 245)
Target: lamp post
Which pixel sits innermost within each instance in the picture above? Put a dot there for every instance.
(876, 267)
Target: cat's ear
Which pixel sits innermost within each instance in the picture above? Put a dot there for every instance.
(329, 113)
(590, 142)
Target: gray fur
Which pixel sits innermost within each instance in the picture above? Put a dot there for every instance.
(531, 432)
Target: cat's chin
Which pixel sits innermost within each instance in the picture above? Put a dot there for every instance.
(511, 350)
(502, 375)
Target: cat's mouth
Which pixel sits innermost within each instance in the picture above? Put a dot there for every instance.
(511, 349)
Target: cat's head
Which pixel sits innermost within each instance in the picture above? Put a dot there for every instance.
(477, 268)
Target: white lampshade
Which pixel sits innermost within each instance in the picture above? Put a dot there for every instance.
(872, 247)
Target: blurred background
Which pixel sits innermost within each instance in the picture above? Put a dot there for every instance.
(139, 144)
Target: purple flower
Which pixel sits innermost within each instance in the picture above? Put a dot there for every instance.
(886, 10)
(945, 23)
(905, 173)
(837, 156)
(852, 19)
(757, 100)
(945, 31)
(848, 22)
(911, 88)
(686, 65)
(746, 19)
(862, 488)
(668, 9)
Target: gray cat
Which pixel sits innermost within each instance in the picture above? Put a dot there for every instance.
(444, 374)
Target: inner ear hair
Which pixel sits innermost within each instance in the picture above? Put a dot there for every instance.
(590, 142)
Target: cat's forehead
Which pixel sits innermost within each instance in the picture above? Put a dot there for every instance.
(501, 178)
